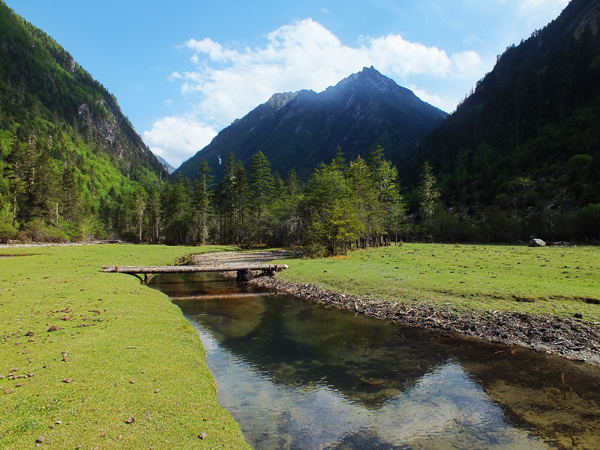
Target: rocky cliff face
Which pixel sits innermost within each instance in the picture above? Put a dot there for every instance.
(300, 130)
(40, 79)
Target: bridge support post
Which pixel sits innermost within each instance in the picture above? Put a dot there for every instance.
(244, 275)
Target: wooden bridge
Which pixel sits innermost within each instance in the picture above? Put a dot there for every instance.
(244, 271)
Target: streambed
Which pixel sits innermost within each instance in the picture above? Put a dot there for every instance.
(303, 376)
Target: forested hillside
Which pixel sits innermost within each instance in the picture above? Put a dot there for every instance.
(521, 155)
(71, 164)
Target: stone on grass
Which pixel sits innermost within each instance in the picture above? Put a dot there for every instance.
(537, 243)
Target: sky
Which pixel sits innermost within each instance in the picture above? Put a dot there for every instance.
(182, 70)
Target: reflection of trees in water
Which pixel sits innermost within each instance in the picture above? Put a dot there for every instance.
(295, 343)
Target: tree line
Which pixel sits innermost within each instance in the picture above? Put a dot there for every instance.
(343, 205)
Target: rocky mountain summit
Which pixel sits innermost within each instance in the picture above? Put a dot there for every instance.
(299, 130)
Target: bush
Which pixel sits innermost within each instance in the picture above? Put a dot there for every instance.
(39, 231)
(7, 232)
(314, 251)
(579, 163)
(589, 218)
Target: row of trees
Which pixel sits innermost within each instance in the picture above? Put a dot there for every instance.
(343, 205)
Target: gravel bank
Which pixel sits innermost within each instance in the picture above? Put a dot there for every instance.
(568, 337)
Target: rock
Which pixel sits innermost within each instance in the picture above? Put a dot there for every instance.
(54, 328)
(68, 380)
(130, 420)
(537, 243)
(40, 439)
(578, 315)
(203, 435)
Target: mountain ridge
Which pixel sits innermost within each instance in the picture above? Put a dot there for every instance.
(298, 130)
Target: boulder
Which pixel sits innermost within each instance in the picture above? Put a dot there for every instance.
(537, 243)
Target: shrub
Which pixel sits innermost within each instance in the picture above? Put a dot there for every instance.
(314, 251)
(589, 218)
(7, 232)
(39, 231)
(578, 163)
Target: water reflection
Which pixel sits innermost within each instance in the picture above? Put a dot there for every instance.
(297, 375)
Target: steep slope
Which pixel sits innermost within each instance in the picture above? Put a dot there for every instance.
(524, 147)
(168, 167)
(67, 152)
(299, 130)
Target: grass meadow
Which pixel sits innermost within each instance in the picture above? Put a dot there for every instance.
(125, 369)
(542, 280)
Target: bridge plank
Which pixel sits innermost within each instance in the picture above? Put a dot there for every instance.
(183, 269)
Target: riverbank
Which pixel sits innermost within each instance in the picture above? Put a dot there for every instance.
(90, 359)
(540, 298)
(567, 337)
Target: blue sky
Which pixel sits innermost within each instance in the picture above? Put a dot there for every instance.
(182, 70)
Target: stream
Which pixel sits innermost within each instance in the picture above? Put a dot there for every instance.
(296, 375)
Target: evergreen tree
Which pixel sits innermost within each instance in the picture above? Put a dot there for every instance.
(14, 171)
(331, 214)
(154, 217)
(289, 223)
(71, 201)
(364, 197)
(261, 190)
(140, 203)
(429, 194)
(203, 201)
(235, 196)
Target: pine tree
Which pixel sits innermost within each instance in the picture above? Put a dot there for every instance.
(261, 190)
(203, 201)
(140, 201)
(71, 198)
(429, 194)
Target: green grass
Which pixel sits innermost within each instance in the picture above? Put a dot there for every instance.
(557, 281)
(129, 350)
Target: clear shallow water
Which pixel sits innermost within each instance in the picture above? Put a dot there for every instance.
(302, 376)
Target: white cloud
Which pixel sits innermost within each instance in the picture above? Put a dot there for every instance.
(468, 63)
(227, 81)
(230, 82)
(544, 4)
(472, 40)
(445, 104)
(178, 139)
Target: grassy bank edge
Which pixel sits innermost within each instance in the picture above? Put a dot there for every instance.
(558, 282)
(124, 367)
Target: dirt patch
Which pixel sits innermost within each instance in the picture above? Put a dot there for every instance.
(232, 258)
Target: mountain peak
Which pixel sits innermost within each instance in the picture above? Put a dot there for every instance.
(298, 130)
(280, 100)
(370, 77)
